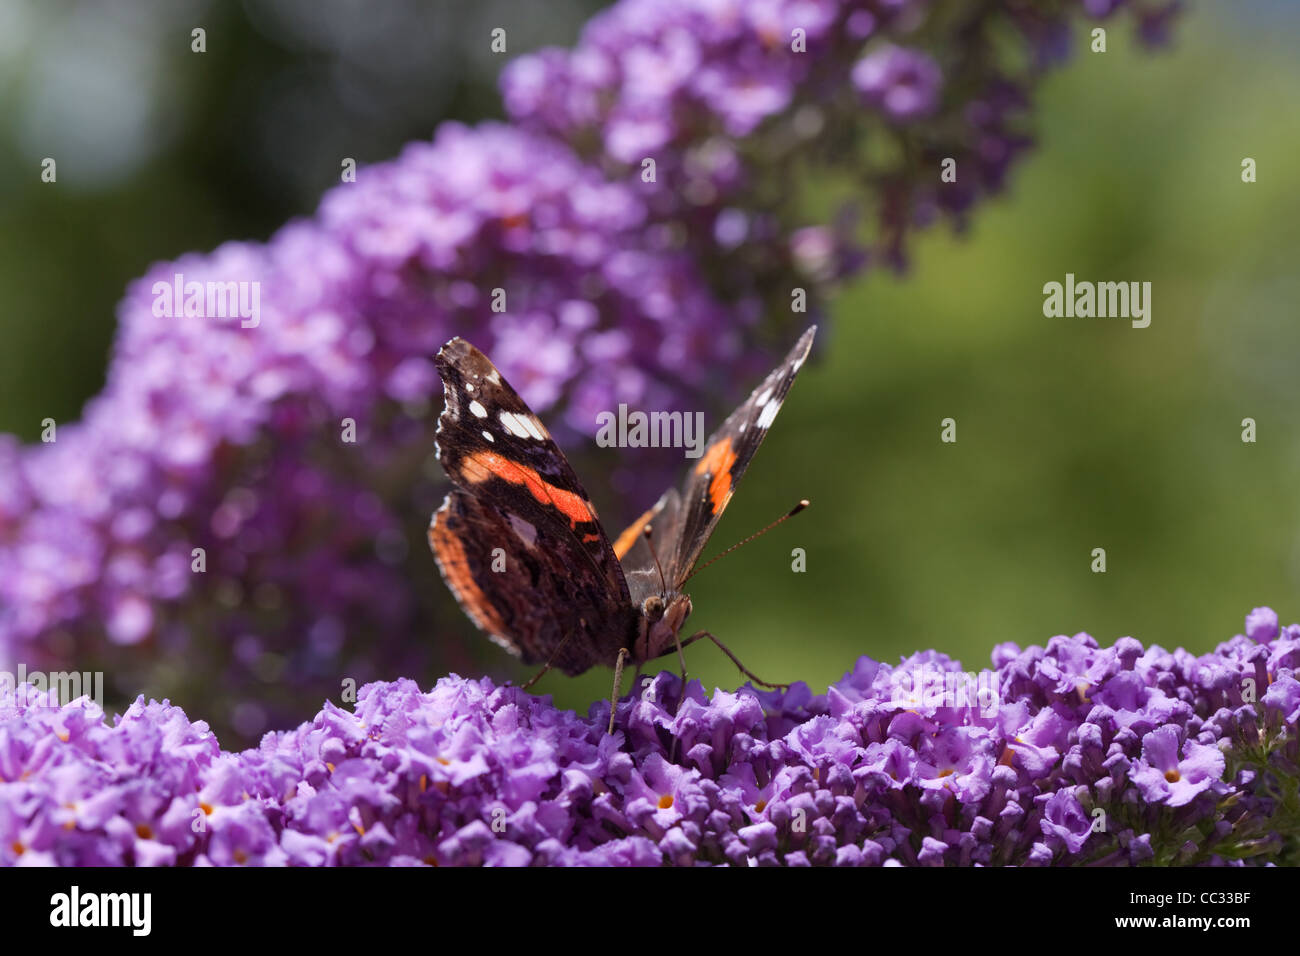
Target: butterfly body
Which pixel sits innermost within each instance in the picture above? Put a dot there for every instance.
(519, 543)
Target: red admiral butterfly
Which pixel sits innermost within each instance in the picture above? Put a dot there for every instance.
(520, 546)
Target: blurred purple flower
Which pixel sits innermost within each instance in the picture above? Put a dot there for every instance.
(247, 498)
(228, 439)
(902, 83)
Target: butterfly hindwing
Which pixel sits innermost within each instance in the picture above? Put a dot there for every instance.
(634, 550)
(528, 587)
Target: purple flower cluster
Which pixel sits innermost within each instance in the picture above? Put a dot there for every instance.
(230, 439)
(735, 100)
(240, 484)
(1067, 753)
(902, 84)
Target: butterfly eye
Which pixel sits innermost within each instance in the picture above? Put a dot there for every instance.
(653, 607)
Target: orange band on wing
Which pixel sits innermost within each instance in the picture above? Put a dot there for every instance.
(482, 465)
(450, 554)
(718, 461)
(628, 538)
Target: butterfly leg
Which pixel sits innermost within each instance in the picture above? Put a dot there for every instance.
(618, 680)
(698, 635)
(535, 678)
(549, 664)
(681, 659)
(681, 696)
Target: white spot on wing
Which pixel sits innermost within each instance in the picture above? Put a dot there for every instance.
(533, 426)
(513, 424)
(478, 410)
(488, 435)
(768, 414)
(762, 399)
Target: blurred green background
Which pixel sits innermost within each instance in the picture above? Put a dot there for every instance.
(1073, 434)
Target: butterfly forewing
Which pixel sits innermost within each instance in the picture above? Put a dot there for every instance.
(713, 478)
(519, 517)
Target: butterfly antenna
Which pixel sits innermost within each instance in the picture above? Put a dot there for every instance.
(663, 586)
(803, 503)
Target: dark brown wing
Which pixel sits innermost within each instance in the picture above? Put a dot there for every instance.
(511, 477)
(712, 480)
(528, 587)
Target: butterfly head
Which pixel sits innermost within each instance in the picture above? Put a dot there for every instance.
(662, 617)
